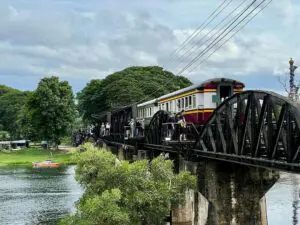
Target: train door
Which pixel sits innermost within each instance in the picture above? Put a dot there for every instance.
(224, 92)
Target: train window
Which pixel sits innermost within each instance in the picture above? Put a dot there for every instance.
(163, 107)
(194, 101)
(186, 102)
(182, 103)
(171, 106)
(167, 106)
(150, 112)
(190, 101)
(178, 104)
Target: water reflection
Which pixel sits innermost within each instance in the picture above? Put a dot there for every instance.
(31, 197)
(283, 200)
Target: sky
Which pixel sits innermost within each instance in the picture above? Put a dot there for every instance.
(83, 40)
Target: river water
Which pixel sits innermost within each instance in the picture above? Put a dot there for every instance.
(35, 197)
(283, 205)
(31, 197)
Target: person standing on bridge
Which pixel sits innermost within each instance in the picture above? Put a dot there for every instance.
(183, 125)
(132, 127)
(107, 129)
(102, 129)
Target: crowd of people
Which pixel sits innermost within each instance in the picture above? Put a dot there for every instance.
(177, 129)
(84, 134)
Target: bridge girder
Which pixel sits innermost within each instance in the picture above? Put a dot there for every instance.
(254, 128)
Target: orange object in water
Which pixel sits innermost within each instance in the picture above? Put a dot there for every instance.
(46, 164)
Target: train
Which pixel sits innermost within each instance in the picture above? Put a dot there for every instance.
(196, 103)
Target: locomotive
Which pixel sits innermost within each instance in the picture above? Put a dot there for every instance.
(195, 103)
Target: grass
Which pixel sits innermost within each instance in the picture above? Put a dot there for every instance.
(26, 156)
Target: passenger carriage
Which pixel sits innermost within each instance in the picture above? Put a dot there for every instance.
(196, 103)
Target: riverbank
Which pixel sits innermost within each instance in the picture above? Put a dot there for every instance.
(27, 156)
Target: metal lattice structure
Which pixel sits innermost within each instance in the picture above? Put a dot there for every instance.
(120, 119)
(154, 130)
(254, 128)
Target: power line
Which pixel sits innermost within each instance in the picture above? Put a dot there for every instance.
(219, 37)
(196, 31)
(200, 29)
(232, 35)
(211, 31)
(208, 20)
(197, 57)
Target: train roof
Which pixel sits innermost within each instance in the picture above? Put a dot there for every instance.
(147, 103)
(199, 86)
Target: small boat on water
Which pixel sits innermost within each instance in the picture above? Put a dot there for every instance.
(46, 164)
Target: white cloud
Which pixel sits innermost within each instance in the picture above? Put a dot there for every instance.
(75, 39)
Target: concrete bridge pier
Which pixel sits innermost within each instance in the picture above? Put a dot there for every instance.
(228, 194)
(235, 193)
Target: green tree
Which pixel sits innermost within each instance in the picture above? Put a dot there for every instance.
(123, 193)
(127, 86)
(51, 109)
(11, 104)
(4, 135)
(89, 99)
(25, 124)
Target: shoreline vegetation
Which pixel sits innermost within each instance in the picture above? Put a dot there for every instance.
(26, 157)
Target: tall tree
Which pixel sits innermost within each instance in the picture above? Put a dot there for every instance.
(51, 109)
(11, 104)
(123, 193)
(127, 86)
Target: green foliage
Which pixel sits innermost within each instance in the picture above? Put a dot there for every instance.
(11, 104)
(89, 99)
(25, 122)
(50, 111)
(119, 192)
(4, 135)
(125, 87)
(4, 89)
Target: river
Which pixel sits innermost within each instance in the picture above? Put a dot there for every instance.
(28, 197)
(283, 204)
(31, 197)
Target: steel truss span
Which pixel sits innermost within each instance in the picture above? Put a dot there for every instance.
(255, 128)
(154, 131)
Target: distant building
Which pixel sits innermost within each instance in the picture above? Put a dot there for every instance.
(18, 144)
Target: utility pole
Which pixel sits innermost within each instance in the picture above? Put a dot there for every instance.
(293, 95)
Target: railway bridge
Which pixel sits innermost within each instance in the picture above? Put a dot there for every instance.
(236, 155)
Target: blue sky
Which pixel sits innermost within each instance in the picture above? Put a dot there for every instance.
(82, 40)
